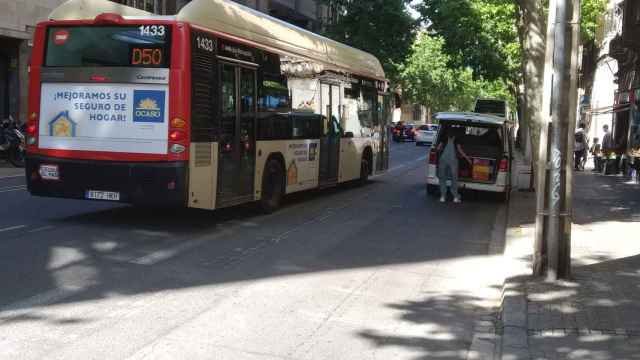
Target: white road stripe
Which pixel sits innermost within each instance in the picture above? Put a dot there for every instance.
(13, 228)
(13, 188)
(45, 298)
(165, 254)
(43, 228)
(12, 177)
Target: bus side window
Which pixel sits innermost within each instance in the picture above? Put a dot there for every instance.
(281, 128)
(306, 127)
(274, 127)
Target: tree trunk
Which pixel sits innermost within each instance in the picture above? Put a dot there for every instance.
(532, 32)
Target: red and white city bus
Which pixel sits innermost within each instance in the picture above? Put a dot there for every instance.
(216, 106)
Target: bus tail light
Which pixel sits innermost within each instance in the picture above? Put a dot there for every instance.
(433, 157)
(32, 129)
(504, 165)
(178, 123)
(176, 135)
(177, 149)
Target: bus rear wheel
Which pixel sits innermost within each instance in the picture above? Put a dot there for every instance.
(364, 171)
(272, 186)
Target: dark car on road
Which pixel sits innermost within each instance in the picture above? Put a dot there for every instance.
(404, 132)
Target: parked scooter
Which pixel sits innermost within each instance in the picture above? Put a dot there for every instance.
(12, 141)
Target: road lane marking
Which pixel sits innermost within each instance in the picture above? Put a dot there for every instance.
(43, 228)
(13, 228)
(46, 298)
(166, 254)
(13, 188)
(12, 177)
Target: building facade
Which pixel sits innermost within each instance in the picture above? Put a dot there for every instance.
(17, 23)
(625, 48)
(18, 20)
(307, 14)
(597, 106)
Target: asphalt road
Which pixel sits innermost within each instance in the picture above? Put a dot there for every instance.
(379, 271)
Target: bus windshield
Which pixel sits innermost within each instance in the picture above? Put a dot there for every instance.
(114, 46)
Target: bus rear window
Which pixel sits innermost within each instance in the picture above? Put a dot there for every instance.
(95, 46)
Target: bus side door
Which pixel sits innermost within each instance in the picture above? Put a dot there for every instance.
(236, 169)
(329, 151)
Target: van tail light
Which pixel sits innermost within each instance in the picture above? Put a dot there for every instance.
(433, 157)
(504, 165)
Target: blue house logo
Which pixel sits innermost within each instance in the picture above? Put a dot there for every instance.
(62, 125)
(148, 106)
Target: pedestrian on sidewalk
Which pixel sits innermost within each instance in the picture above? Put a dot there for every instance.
(450, 150)
(607, 149)
(580, 147)
(597, 155)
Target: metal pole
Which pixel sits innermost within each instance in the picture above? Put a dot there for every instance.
(559, 114)
(540, 261)
(565, 263)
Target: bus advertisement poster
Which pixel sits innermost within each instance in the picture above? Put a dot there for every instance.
(130, 118)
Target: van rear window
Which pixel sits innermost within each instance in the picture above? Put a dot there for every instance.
(496, 107)
(145, 46)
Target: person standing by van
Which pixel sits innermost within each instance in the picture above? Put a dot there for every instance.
(449, 149)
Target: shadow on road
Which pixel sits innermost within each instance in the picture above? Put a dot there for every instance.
(596, 314)
(128, 251)
(443, 321)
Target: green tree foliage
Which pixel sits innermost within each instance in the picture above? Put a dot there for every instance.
(483, 34)
(479, 34)
(427, 77)
(592, 11)
(383, 28)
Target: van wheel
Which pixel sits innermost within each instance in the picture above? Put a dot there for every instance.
(432, 190)
(364, 171)
(272, 186)
(505, 196)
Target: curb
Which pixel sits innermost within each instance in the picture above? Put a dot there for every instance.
(514, 314)
(486, 342)
(515, 338)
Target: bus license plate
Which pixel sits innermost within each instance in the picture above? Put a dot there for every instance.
(49, 172)
(102, 195)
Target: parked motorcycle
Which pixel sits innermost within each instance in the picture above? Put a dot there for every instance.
(12, 141)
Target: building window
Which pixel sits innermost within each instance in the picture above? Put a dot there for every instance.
(417, 113)
(153, 6)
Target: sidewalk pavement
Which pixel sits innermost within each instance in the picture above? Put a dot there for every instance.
(596, 315)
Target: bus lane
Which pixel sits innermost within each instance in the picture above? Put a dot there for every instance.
(107, 274)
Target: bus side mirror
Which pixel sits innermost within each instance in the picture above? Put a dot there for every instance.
(348, 134)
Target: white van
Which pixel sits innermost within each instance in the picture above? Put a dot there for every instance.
(488, 141)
